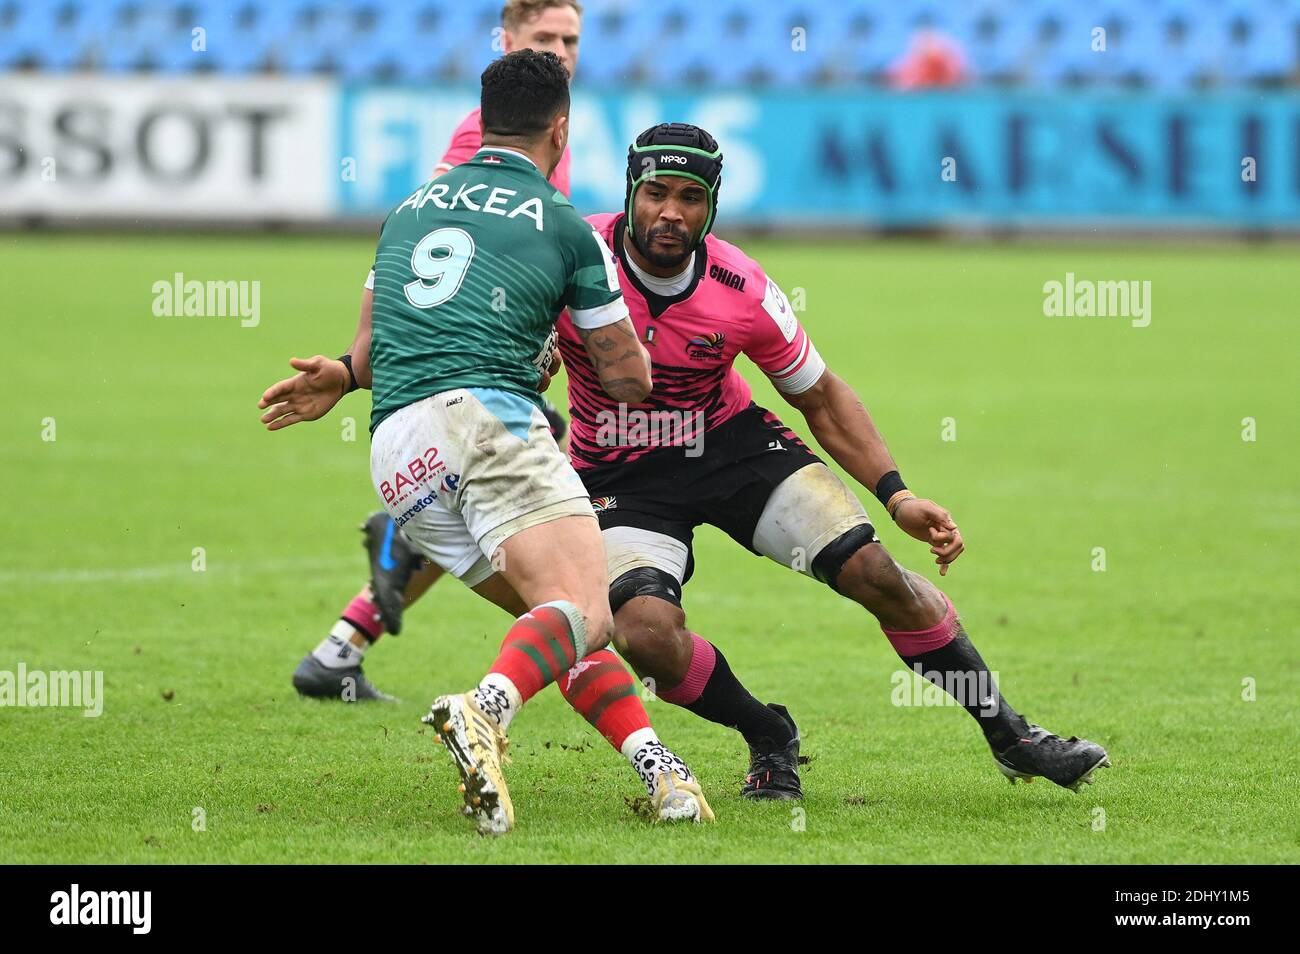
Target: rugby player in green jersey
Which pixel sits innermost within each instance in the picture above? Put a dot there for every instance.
(471, 272)
(399, 574)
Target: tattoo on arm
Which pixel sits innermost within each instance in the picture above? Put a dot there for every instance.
(627, 390)
(604, 337)
(606, 340)
(603, 364)
(614, 349)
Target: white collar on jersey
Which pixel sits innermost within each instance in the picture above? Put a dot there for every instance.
(513, 152)
(667, 287)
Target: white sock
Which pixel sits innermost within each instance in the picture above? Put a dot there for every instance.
(497, 696)
(336, 650)
(651, 758)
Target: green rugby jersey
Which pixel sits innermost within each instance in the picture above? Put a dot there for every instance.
(471, 271)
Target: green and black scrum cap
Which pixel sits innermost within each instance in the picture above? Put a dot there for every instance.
(675, 149)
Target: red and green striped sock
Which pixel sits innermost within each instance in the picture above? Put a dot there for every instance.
(541, 646)
(605, 694)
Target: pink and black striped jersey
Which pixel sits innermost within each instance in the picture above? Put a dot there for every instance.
(729, 308)
(467, 139)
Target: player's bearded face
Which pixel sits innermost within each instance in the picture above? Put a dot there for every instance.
(669, 212)
(664, 245)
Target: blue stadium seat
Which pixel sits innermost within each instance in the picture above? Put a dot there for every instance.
(603, 56)
(1162, 44)
(799, 44)
(1183, 47)
(241, 34)
(81, 39)
(27, 38)
(134, 37)
(419, 40)
(378, 46)
(997, 41)
(681, 56)
(1259, 47)
(871, 39)
(236, 41)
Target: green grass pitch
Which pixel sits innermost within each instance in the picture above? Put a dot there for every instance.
(1072, 434)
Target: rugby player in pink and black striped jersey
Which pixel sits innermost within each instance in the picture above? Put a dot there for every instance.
(698, 451)
(695, 326)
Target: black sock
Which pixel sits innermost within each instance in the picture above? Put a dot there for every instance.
(958, 669)
(725, 701)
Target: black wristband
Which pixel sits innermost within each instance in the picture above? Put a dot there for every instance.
(352, 375)
(889, 485)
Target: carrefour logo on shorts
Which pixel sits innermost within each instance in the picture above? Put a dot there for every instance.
(415, 508)
(450, 483)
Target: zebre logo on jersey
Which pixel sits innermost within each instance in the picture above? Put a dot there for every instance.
(706, 346)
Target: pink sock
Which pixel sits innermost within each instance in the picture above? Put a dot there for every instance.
(703, 656)
(364, 615)
(920, 641)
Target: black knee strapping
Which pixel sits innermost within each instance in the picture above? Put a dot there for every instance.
(644, 581)
(826, 566)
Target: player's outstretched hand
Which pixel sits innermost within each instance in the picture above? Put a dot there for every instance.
(928, 522)
(308, 395)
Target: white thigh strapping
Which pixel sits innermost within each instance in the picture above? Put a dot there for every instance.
(808, 510)
(627, 548)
